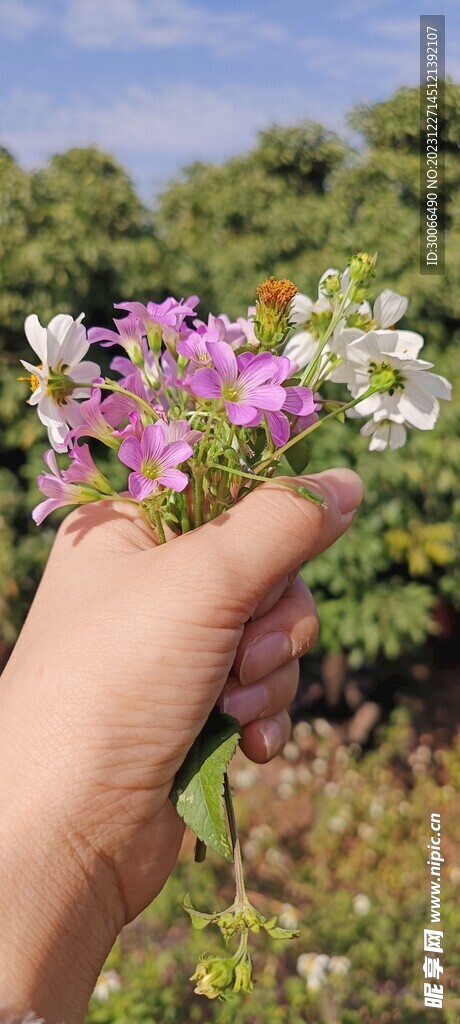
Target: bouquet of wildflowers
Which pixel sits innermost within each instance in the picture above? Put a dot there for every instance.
(200, 414)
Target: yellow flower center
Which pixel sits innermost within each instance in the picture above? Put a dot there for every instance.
(34, 381)
(230, 393)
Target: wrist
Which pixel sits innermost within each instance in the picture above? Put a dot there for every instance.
(61, 910)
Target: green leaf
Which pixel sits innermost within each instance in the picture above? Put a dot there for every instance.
(198, 787)
(199, 920)
(283, 933)
(299, 455)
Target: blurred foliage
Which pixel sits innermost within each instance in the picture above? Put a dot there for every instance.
(75, 236)
(345, 853)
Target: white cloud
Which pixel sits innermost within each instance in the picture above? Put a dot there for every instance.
(19, 19)
(153, 132)
(132, 24)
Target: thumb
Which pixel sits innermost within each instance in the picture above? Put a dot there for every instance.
(273, 530)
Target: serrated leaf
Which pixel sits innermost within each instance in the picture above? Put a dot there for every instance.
(199, 920)
(197, 793)
(299, 455)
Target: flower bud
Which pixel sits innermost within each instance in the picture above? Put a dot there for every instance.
(154, 338)
(213, 976)
(243, 976)
(362, 269)
(273, 311)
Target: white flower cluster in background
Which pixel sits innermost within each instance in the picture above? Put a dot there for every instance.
(372, 350)
(315, 968)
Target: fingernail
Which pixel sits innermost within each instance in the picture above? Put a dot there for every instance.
(246, 703)
(346, 488)
(264, 655)
(270, 732)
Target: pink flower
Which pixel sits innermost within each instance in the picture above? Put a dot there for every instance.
(298, 401)
(195, 345)
(62, 489)
(154, 462)
(99, 418)
(243, 393)
(129, 336)
(232, 333)
(157, 315)
(180, 430)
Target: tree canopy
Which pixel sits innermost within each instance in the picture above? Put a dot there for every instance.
(74, 236)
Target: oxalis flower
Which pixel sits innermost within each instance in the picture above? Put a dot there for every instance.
(154, 462)
(243, 393)
(81, 483)
(56, 381)
(298, 401)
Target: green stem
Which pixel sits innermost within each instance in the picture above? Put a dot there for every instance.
(184, 518)
(239, 874)
(319, 423)
(309, 375)
(110, 385)
(198, 499)
(159, 527)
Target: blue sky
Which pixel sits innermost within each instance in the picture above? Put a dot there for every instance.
(161, 83)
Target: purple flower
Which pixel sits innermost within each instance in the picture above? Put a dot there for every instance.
(129, 336)
(227, 331)
(99, 418)
(243, 393)
(167, 315)
(180, 430)
(84, 471)
(61, 489)
(298, 401)
(195, 345)
(154, 462)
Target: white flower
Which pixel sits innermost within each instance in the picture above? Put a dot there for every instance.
(361, 905)
(56, 381)
(312, 967)
(379, 354)
(384, 432)
(301, 348)
(288, 916)
(389, 307)
(339, 965)
(301, 309)
(108, 981)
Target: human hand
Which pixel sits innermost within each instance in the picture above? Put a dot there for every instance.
(126, 649)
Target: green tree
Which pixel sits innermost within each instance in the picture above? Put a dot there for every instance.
(300, 202)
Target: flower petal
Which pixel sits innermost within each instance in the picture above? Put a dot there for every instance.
(43, 509)
(269, 396)
(174, 478)
(175, 453)
(389, 307)
(278, 425)
(419, 408)
(75, 344)
(224, 360)
(240, 413)
(130, 453)
(84, 373)
(152, 443)
(206, 384)
(299, 401)
(140, 486)
(36, 336)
